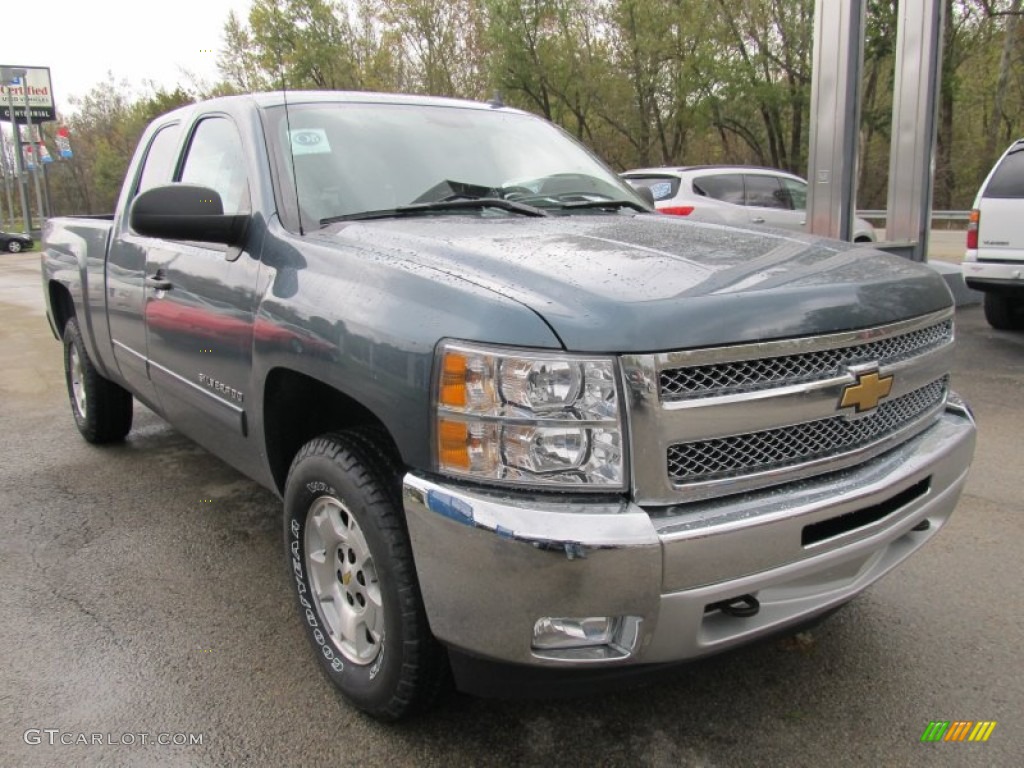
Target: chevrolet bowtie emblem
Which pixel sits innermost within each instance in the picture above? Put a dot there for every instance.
(865, 394)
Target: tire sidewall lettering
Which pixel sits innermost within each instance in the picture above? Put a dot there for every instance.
(379, 661)
(319, 486)
(337, 666)
(337, 466)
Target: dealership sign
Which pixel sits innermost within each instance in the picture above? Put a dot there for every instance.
(36, 83)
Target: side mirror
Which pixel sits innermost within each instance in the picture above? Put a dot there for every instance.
(646, 194)
(186, 212)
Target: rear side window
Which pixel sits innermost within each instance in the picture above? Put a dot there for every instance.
(160, 157)
(727, 187)
(662, 187)
(1008, 180)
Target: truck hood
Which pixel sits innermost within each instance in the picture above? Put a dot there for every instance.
(645, 283)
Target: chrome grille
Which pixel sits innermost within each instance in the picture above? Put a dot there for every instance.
(752, 375)
(774, 448)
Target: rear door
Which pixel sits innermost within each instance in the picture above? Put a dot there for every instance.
(126, 285)
(769, 203)
(1000, 232)
(724, 194)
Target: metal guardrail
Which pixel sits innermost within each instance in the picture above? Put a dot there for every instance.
(936, 215)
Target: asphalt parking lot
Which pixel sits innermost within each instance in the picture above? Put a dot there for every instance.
(144, 592)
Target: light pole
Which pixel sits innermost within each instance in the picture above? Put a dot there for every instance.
(9, 75)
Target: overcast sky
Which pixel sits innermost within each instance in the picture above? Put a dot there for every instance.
(80, 41)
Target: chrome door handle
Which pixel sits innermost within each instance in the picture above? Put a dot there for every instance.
(758, 220)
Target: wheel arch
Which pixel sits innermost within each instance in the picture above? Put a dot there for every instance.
(298, 408)
(62, 307)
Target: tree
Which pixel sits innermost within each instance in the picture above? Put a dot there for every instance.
(1007, 59)
(442, 41)
(238, 63)
(771, 71)
(642, 82)
(105, 130)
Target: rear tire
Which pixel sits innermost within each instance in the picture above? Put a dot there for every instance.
(14, 246)
(1004, 313)
(351, 563)
(102, 409)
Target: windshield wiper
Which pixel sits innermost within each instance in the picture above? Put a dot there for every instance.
(582, 204)
(453, 204)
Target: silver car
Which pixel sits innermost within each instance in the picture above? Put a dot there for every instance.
(738, 195)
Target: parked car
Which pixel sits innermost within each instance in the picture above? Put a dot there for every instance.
(994, 262)
(734, 194)
(15, 242)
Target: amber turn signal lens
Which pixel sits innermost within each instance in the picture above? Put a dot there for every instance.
(453, 380)
(453, 443)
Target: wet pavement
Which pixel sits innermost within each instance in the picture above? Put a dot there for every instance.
(144, 592)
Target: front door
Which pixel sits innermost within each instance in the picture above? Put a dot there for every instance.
(199, 315)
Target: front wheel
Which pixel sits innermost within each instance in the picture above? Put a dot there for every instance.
(102, 409)
(351, 563)
(14, 246)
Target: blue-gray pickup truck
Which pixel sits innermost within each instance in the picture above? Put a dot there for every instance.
(528, 433)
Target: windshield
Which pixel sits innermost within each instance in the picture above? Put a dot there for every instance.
(352, 159)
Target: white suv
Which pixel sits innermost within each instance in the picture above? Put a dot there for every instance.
(994, 262)
(737, 195)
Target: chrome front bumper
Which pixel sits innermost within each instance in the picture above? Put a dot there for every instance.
(490, 565)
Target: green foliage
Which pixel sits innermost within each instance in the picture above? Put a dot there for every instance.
(105, 128)
(642, 82)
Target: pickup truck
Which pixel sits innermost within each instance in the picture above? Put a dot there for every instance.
(530, 435)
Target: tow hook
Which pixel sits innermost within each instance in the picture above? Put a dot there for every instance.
(742, 607)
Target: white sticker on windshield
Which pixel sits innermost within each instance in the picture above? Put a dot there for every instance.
(309, 141)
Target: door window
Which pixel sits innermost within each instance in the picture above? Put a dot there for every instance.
(159, 163)
(765, 192)
(215, 160)
(727, 187)
(797, 192)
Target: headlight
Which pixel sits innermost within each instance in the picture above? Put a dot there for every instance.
(524, 417)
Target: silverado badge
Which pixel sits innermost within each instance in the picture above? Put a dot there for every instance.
(866, 392)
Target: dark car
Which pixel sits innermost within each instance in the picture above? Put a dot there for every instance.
(15, 242)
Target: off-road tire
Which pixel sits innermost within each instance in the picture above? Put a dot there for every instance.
(102, 409)
(354, 469)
